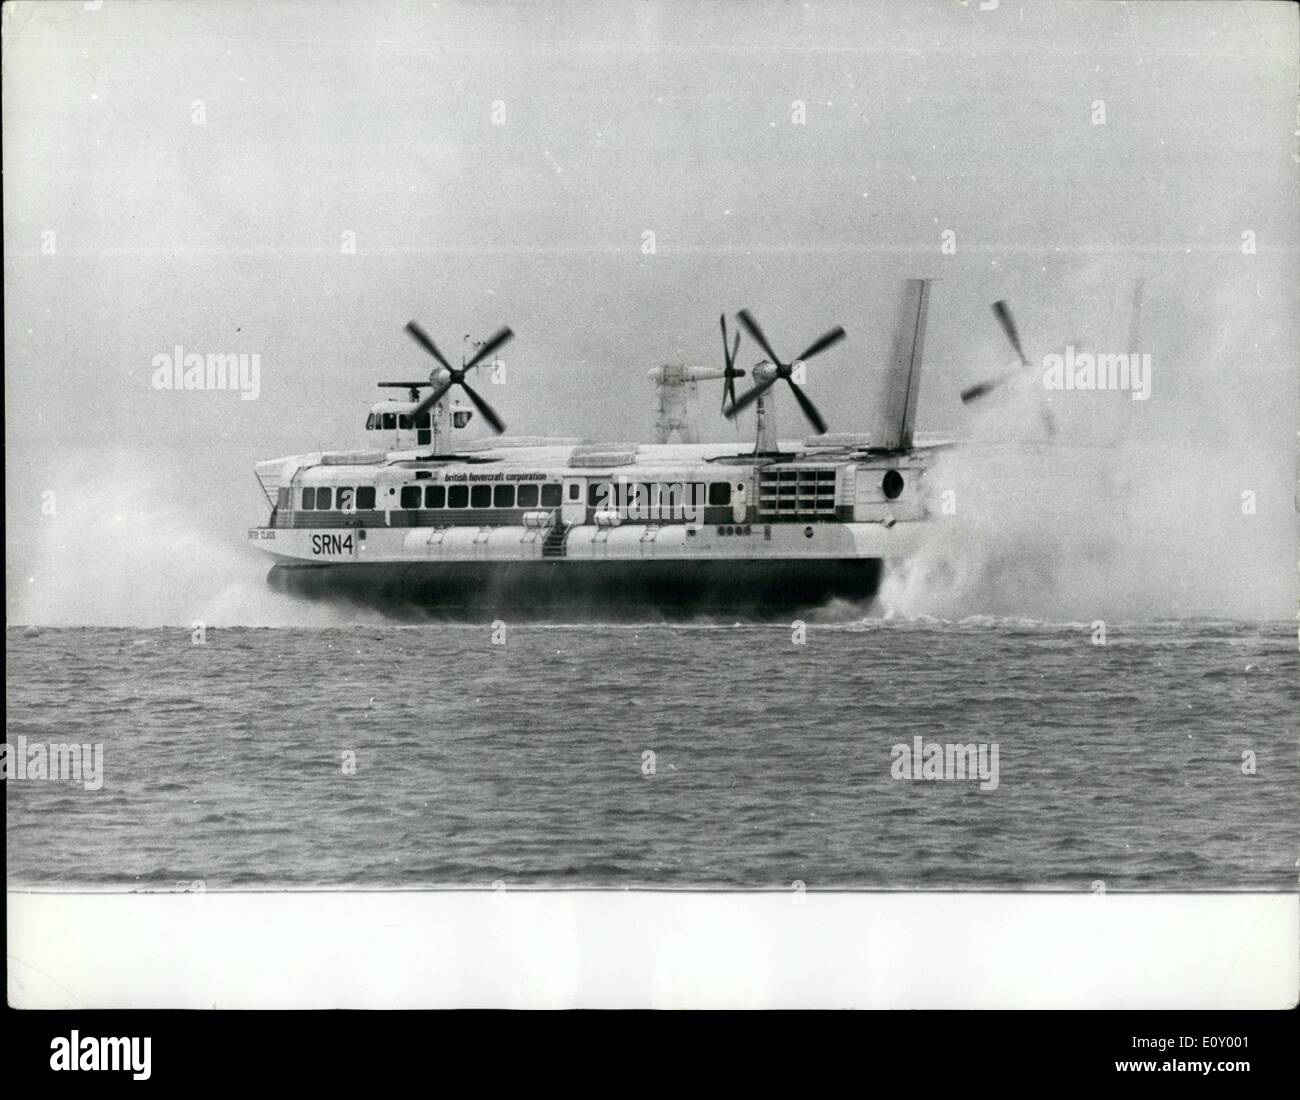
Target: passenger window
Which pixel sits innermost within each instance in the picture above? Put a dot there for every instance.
(503, 496)
(308, 499)
(600, 494)
(365, 497)
(527, 496)
(323, 498)
(551, 495)
(390, 421)
(344, 499)
(720, 493)
(411, 496)
(460, 418)
(435, 496)
(404, 422)
(480, 496)
(457, 496)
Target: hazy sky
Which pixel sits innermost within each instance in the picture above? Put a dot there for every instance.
(198, 165)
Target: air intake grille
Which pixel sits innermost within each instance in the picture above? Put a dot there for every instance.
(796, 494)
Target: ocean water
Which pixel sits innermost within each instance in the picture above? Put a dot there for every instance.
(706, 755)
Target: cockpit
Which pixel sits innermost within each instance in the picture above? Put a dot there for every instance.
(389, 419)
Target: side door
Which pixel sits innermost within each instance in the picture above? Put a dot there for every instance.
(573, 506)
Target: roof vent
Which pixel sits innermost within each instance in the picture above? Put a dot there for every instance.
(603, 454)
(352, 458)
(838, 441)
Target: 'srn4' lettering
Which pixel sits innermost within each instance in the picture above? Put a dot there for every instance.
(331, 544)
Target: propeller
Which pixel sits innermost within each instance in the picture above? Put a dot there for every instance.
(784, 370)
(730, 372)
(456, 376)
(981, 389)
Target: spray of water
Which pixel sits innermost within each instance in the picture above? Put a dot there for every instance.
(1177, 506)
(125, 541)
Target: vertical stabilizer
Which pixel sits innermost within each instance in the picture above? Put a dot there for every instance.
(902, 380)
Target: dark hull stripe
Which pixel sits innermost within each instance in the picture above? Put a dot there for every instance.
(586, 590)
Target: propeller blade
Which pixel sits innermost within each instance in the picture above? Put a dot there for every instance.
(809, 409)
(751, 326)
(817, 347)
(980, 389)
(749, 398)
(502, 336)
(1003, 314)
(728, 392)
(489, 415)
(422, 338)
(726, 355)
(435, 395)
(731, 374)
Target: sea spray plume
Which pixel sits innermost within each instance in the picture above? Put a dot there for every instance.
(131, 543)
(1135, 511)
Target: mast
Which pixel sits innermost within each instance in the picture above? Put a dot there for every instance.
(765, 422)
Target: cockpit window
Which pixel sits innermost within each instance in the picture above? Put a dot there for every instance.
(390, 421)
(370, 422)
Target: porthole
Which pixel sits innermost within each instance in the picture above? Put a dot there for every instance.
(807, 532)
(892, 484)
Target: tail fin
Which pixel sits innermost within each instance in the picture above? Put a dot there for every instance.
(903, 374)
